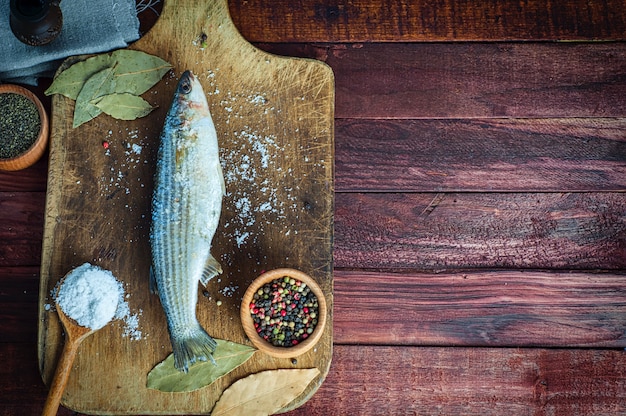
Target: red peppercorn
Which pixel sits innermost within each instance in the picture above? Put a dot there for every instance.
(275, 312)
(105, 144)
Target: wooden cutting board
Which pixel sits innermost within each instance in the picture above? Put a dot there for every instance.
(274, 118)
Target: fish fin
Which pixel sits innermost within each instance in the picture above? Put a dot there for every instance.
(153, 284)
(211, 269)
(195, 345)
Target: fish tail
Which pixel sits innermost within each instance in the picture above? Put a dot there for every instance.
(194, 345)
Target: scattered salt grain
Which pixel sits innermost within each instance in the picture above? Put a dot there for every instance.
(137, 148)
(258, 99)
(90, 296)
(241, 237)
(229, 291)
(131, 329)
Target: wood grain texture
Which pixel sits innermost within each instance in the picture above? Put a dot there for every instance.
(274, 120)
(407, 92)
(400, 21)
(461, 80)
(399, 231)
(19, 293)
(23, 392)
(493, 155)
(31, 179)
(500, 308)
(414, 380)
(479, 80)
(471, 231)
(21, 228)
(368, 380)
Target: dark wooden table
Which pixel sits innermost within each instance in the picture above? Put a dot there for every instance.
(480, 218)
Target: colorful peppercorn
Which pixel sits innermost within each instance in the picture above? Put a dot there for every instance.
(284, 311)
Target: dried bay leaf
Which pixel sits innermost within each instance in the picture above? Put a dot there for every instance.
(100, 84)
(131, 74)
(71, 81)
(123, 106)
(264, 393)
(228, 356)
(136, 72)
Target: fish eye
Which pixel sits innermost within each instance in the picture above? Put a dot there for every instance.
(185, 87)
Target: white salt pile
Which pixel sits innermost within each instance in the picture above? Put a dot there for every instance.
(90, 296)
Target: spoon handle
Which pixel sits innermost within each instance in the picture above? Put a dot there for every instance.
(61, 376)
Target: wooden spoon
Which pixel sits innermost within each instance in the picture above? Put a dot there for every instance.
(74, 335)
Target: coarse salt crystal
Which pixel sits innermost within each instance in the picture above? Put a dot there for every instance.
(90, 296)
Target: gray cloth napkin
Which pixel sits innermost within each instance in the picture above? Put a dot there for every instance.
(89, 26)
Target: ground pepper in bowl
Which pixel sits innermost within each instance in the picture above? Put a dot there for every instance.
(285, 311)
(19, 124)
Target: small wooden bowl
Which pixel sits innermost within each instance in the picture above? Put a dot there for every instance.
(248, 323)
(36, 150)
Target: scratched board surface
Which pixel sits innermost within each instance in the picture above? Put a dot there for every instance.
(274, 119)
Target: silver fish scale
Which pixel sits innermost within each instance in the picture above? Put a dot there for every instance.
(189, 187)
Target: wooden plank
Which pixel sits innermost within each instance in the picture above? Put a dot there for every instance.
(22, 391)
(367, 380)
(413, 380)
(459, 80)
(401, 21)
(503, 308)
(481, 155)
(32, 179)
(21, 228)
(521, 230)
(19, 295)
(274, 122)
(468, 231)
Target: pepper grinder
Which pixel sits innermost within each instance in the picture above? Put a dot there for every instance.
(36, 22)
